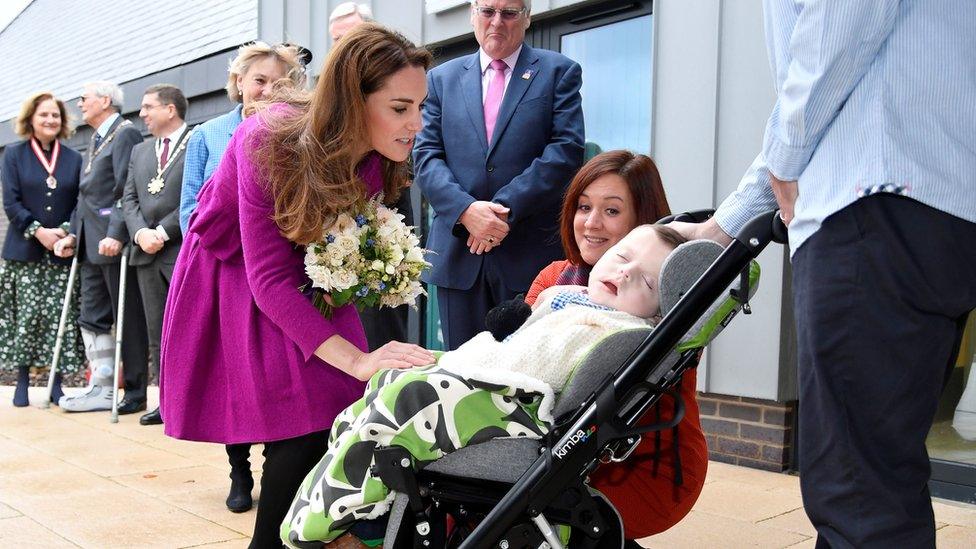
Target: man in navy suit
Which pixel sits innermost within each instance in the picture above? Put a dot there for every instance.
(502, 138)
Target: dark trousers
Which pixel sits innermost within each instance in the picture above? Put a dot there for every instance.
(153, 286)
(286, 462)
(881, 294)
(239, 457)
(99, 305)
(463, 311)
(383, 325)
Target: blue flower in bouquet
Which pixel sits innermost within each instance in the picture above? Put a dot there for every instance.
(362, 291)
(330, 238)
(370, 242)
(360, 220)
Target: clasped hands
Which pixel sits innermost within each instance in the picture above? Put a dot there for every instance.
(150, 240)
(49, 237)
(487, 225)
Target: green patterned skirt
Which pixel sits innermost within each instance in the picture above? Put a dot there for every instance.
(31, 296)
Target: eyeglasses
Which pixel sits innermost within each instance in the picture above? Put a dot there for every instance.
(508, 14)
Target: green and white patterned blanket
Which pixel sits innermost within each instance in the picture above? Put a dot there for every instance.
(481, 391)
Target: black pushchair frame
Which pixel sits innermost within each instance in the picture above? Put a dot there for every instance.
(604, 427)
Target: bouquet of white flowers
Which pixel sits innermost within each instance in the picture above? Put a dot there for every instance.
(371, 258)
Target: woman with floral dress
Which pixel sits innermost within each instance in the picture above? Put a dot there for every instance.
(40, 191)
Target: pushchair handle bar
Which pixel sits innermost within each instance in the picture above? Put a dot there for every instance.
(582, 442)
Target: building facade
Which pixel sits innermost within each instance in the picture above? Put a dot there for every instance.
(686, 81)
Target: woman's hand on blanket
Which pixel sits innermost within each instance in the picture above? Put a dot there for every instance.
(395, 355)
(342, 354)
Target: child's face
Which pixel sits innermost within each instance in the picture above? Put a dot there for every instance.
(626, 277)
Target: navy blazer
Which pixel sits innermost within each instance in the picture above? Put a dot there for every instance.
(26, 198)
(535, 151)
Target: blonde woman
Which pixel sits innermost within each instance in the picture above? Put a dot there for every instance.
(250, 77)
(40, 190)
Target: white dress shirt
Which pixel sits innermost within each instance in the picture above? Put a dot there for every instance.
(487, 73)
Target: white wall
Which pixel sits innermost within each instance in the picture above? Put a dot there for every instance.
(712, 94)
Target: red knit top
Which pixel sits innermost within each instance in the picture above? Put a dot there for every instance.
(643, 489)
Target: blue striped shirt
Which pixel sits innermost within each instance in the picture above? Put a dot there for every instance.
(202, 156)
(873, 96)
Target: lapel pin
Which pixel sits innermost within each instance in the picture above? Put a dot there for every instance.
(527, 74)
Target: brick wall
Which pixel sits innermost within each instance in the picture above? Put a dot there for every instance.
(749, 432)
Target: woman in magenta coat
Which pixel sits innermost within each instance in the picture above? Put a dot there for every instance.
(246, 357)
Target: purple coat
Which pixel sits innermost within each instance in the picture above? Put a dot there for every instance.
(238, 335)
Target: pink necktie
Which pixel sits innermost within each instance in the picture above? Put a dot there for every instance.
(165, 155)
(493, 99)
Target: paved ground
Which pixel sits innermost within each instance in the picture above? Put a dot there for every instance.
(75, 480)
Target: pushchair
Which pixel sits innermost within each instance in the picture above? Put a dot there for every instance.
(532, 493)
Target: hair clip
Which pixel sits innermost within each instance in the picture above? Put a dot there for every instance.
(304, 54)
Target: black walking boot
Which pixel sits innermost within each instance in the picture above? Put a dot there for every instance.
(241, 480)
(239, 499)
(56, 392)
(23, 381)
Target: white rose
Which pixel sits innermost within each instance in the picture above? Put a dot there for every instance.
(321, 277)
(335, 255)
(415, 255)
(347, 243)
(396, 255)
(343, 280)
(344, 222)
(384, 214)
(377, 266)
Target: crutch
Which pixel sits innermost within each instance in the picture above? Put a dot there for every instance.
(61, 329)
(119, 322)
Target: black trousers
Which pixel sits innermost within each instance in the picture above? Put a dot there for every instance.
(286, 462)
(881, 293)
(99, 305)
(383, 325)
(463, 311)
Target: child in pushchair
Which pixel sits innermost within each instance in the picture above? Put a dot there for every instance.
(487, 390)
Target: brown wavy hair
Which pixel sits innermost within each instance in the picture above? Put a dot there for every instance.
(643, 182)
(309, 154)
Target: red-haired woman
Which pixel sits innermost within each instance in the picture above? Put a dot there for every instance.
(656, 487)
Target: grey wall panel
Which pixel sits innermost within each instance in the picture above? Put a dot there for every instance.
(712, 95)
(745, 99)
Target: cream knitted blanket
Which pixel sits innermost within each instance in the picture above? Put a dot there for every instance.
(541, 355)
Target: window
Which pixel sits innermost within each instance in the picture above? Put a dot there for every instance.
(616, 61)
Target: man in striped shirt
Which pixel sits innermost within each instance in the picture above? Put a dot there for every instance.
(870, 154)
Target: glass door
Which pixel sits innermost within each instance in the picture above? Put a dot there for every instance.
(952, 440)
(616, 61)
(612, 41)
